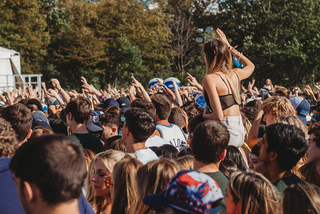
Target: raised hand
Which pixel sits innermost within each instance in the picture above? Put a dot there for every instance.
(83, 80)
(43, 84)
(52, 93)
(135, 82)
(56, 84)
(251, 84)
(192, 80)
(222, 36)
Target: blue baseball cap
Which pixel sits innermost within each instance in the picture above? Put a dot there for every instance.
(302, 107)
(109, 102)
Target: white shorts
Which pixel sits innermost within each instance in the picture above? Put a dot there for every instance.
(236, 129)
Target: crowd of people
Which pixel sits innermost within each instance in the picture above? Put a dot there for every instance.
(138, 151)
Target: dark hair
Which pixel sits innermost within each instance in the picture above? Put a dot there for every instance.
(192, 109)
(110, 119)
(162, 105)
(59, 127)
(250, 112)
(194, 122)
(140, 123)
(145, 104)
(80, 109)
(315, 129)
(55, 164)
(20, 118)
(167, 151)
(227, 167)
(255, 150)
(288, 142)
(210, 139)
(176, 116)
(115, 143)
(185, 151)
(282, 91)
(235, 155)
(35, 102)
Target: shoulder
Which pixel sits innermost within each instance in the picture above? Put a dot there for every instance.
(210, 78)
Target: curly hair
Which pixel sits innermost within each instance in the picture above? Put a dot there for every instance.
(8, 140)
(278, 106)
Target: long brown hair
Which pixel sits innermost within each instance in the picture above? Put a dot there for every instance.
(254, 192)
(219, 59)
(124, 188)
(152, 178)
(301, 198)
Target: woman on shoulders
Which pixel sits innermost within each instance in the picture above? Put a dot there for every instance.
(221, 86)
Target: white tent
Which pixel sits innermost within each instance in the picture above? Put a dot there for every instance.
(9, 66)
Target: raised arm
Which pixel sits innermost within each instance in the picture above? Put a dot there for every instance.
(193, 81)
(254, 131)
(64, 94)
(176, 93)
(248, 66)
(138, 85)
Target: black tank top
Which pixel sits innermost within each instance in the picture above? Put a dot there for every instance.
(226, 100)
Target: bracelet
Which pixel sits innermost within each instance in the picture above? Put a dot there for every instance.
(234, 47)
(164, 87)
(89, 96)
(240, 56)
(236, 54)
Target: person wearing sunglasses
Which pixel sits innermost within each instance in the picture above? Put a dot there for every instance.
(101, 168)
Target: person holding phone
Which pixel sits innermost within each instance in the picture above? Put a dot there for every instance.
(221, 86)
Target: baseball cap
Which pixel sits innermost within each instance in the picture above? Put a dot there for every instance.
(93, 125)
(40, 119)
(188, 191)
(109, 102)
(124, 104)
(302, 107)
(53, 101)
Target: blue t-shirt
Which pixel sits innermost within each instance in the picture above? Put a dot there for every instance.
(9, 201)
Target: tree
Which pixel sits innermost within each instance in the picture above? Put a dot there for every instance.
(22, 28)
(280, 37)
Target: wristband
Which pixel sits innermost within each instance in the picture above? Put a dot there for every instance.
(164, 87)
(89, 96)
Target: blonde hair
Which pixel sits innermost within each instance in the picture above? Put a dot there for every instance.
(124, 188)
(247, 125)
(295, 121)
(109, 158)
(301, 198)
(152, 178)
(219, 59)
(186, 162)
(254, 192)
(278, 106)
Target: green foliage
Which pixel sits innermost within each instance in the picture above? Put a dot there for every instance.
(280, 37)
(125, 61)
(22, 28)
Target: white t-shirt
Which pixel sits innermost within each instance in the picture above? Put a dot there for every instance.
(155, 141)
(146, 155)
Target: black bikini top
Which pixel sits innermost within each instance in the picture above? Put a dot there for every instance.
(226, 100)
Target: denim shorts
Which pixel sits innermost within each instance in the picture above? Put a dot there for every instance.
(236, 129)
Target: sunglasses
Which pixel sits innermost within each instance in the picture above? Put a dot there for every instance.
(108, 182)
